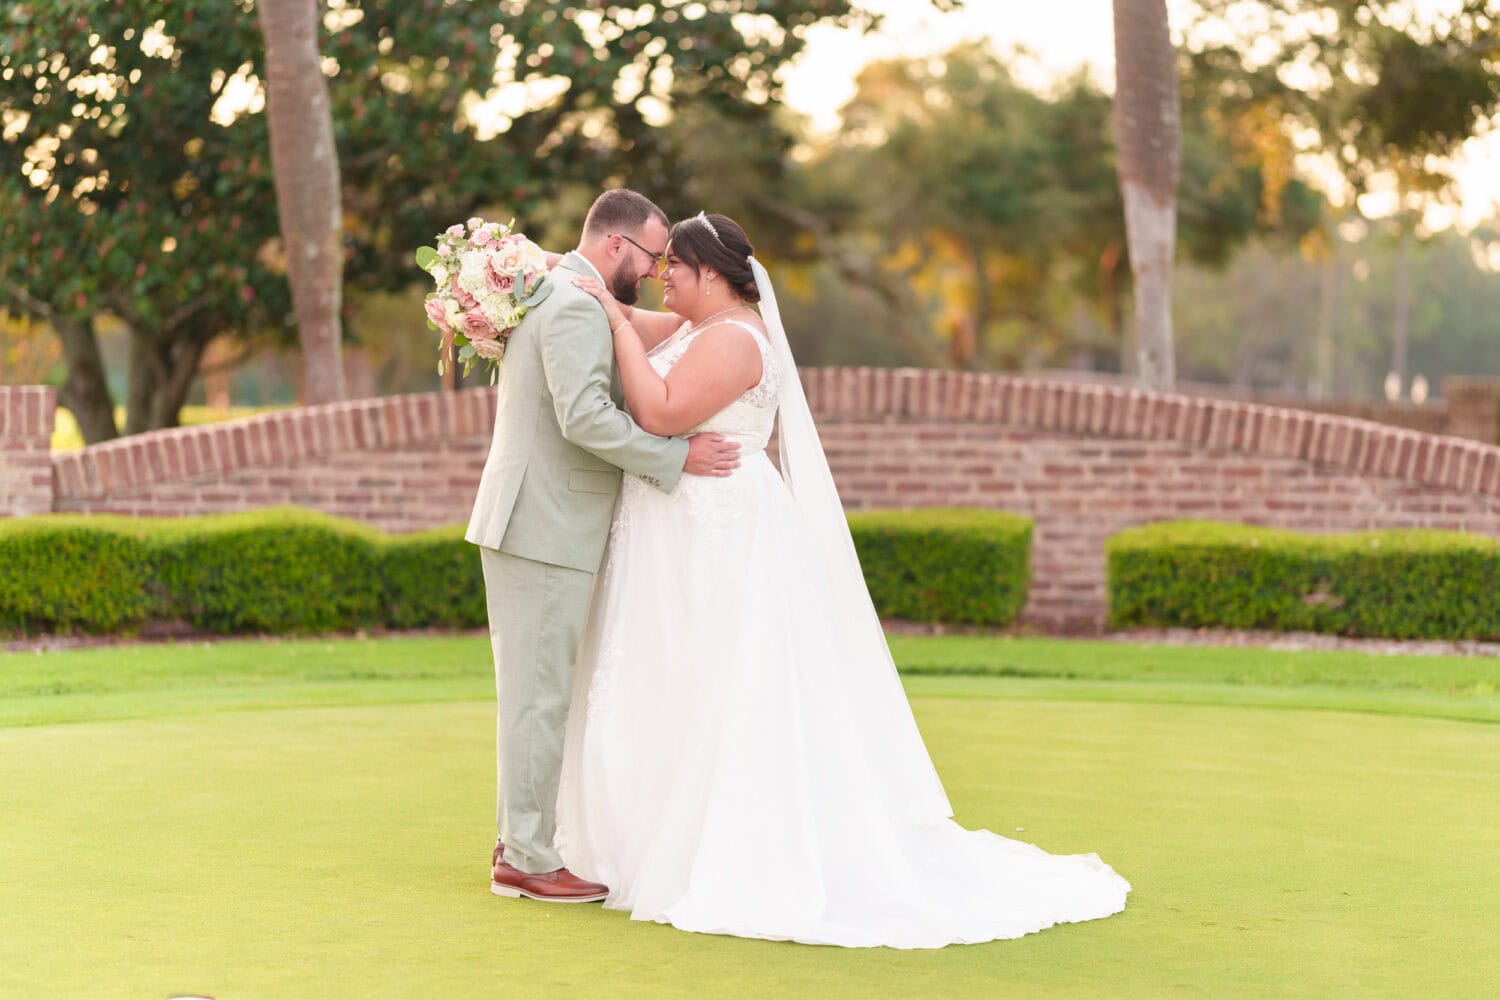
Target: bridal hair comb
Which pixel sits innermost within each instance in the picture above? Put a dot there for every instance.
(705, 220)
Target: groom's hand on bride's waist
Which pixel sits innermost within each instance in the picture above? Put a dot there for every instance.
(711, 455)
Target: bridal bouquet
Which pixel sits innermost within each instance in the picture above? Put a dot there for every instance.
(488, 276)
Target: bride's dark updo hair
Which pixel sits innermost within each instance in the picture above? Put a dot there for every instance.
(718, 242)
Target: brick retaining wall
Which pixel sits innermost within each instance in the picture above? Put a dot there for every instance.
(1083, 460)
(26, 417)
(400, 463)
(1086, 461)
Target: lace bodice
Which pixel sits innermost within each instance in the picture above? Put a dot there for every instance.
(750, 418)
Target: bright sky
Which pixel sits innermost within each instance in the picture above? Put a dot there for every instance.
(1059, 36)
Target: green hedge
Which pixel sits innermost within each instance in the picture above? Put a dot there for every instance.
(64, 572)
(268, 571)
(287, 570)
(945, 564)
(1392, 584)
(432, 579)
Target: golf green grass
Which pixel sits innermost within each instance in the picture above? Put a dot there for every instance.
(313, 818)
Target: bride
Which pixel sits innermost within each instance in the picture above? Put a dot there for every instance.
(741, 758)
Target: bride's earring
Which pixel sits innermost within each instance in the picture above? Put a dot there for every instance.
(708, 288)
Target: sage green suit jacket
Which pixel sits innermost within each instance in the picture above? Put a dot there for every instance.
(562, 435)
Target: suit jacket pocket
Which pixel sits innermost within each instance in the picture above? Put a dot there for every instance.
(593, 481)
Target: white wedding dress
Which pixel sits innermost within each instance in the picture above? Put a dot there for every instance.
(741, 758)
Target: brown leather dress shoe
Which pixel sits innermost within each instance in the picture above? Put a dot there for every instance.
(561, 886)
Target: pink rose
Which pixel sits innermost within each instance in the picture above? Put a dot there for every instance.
(435, 313)
(457, 230)
(498, 280)
(490, 350)
(474, 326)
(465, 300)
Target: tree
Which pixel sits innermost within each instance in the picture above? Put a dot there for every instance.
(1148, 140)
(135, 180)
(27, 354)
(1388, 96)
(102, 198)
(1246, 324)
(988, 200)
(306, 168)
(998, 208)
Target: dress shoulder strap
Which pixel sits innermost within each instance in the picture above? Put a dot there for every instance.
(759, 336)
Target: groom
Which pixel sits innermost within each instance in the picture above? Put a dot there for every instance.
(542, 517)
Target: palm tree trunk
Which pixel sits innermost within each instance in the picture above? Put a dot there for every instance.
(1401, 307)
(306, 166)
(1328, 294)
(1148, 138)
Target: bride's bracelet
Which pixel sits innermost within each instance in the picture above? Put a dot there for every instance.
(623, 324)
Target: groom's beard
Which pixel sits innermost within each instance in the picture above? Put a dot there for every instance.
(625, 292)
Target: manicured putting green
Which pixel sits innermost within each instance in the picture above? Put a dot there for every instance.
(145, 681)
(342, 852)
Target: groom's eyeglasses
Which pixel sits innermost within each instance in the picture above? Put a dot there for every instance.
(658, 260)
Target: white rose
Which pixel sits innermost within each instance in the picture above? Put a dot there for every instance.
(508, 259)
(536, 258)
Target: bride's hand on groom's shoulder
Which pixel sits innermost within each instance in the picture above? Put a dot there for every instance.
(612, 310)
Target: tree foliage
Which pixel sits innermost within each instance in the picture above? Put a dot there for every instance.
(135, 177)
(1388, 96)
(1251, 323)
(999, 207)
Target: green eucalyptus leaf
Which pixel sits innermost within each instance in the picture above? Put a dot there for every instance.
(537, 295)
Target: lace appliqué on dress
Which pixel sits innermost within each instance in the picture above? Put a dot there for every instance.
(767, 391)
(764, 393)
(602, 684)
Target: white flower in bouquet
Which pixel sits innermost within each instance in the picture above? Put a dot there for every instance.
(473, 265)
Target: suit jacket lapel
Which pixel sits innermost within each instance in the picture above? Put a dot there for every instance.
(573, 261)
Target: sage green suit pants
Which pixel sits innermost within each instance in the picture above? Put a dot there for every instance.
(536, 611)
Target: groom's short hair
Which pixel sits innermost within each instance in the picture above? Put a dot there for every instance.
(621, 210)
